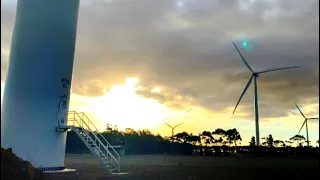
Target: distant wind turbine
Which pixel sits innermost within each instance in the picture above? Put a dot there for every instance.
(173, 127)
(254, 76)
(305, 122)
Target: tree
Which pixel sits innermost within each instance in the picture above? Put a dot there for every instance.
(116, 128)
(108, 127)
(182, 137)
(193, 139)
(221, 134)
(264, 143)
(288, 143)
(252, 141)
(145, 142)
(279, 143)
(220, 140)
(299, 139)
(270, 140)
(233, 136)
(207, 137)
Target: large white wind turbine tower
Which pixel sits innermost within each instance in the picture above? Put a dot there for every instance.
(37, 88)
(254, 76)
(305, 122)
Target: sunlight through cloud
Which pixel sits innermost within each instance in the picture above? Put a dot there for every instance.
(156, 90)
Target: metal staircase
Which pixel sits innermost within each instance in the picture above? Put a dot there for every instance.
(95, 142)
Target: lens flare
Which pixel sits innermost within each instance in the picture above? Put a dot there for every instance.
(244, 44)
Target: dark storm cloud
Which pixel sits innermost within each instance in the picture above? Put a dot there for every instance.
(189, 51)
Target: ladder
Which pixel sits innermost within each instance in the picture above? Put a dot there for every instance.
(95, 142)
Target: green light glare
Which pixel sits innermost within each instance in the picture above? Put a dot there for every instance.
(244, 44)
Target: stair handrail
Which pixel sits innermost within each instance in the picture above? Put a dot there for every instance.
(99, 141)
(107, 150)
(108, 144)
(88, 136)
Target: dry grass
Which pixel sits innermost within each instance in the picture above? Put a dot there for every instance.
(154, 167)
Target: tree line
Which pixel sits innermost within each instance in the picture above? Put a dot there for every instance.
(220, 142)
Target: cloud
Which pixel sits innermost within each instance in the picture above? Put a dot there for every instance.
(187, 51)
(3, 70)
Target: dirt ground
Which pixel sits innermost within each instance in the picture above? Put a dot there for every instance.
(157, 167)
(14, 168)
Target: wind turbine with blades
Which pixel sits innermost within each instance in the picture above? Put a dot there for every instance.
(254, 76)
(305, 122)
(173, 127)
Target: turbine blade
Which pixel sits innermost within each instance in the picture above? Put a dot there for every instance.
(167, 124)
(277, 69)
(312, 118)
(177, 125)
(304, 122)
(243, 59)
(300, 110)
(243, 92)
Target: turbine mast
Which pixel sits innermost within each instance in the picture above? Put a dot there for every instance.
(256, 108)
(39, 78)
(172, 133)
(307, 133)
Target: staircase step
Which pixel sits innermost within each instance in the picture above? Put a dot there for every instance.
(107, 164)
(103, 160)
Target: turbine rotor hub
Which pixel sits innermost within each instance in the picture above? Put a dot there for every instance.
(255, 74)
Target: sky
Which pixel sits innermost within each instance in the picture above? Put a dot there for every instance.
(140, 63)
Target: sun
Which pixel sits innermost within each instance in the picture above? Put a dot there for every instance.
(121, 106)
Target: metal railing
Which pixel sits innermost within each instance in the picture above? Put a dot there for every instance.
(81, 120)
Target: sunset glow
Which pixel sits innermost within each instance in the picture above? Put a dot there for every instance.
(121, 106)
(138, 64)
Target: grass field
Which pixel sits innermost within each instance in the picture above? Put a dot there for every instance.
(158, 167)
